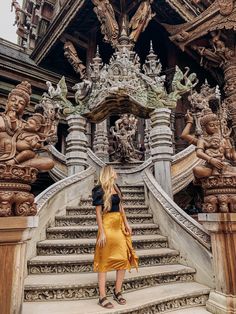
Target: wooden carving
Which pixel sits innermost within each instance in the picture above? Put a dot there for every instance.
(72, 56)
(217, 175)
(106, 16)
(140, 20)
(20, 144)
(226, 6)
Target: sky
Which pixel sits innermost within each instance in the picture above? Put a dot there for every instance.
(7, 18)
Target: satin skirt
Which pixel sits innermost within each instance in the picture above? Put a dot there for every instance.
(118, 252)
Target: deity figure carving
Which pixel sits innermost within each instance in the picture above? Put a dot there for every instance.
(20, 17)
(140, 20)
(106, 16)
(124, 132)
(72, 56)
(20, 139)
(21, 142)
(217, 175)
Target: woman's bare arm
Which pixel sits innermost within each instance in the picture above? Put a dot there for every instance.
(102, 237)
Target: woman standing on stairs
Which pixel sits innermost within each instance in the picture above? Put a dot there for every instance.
(114, 249)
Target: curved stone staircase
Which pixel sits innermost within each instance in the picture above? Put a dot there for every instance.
(60, 278)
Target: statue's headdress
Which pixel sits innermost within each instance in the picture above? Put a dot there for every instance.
(24, 90)
(208, 116)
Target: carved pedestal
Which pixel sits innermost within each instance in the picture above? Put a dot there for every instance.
(14, 234)
(15, 196)
(161, 147)
(76, 150)
(101, 144)
(220, 194)
(222, 227)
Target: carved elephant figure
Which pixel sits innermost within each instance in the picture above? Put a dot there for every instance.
(25, 205)
(223, 203)
(6, 201)
(232, 203)
(210, 204)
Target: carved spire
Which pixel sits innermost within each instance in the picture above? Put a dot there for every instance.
(96, 65)
(152, 66)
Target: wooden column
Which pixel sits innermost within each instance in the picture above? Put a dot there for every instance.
(14, 234)
(222, 227)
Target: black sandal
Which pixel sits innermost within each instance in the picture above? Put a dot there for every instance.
(118, 297)
(106, 305)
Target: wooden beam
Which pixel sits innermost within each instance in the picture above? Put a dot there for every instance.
(74, 39)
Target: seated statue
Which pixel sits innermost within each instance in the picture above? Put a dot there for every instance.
(20, 139)
(211, 146)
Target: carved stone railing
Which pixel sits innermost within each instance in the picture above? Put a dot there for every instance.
(59, 171)
(56, 198)
(182, 168)
(184, 233)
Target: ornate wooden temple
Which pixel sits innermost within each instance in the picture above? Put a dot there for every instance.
(147, 86)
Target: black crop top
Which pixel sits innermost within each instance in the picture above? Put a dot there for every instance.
(97, 196)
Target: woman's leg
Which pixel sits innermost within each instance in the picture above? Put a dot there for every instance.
(102, 284)
(120, 274)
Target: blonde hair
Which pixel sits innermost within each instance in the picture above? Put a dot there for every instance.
(107, 182)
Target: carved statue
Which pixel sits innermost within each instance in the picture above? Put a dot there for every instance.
(20, 18)
(20, 138)
(217, 175)
(123, 133)
(140, 20)
(82, 90)
(106, 16)
(72, 56)
(20, 144)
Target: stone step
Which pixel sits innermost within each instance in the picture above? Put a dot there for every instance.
(84, 262)
(81, 232)
(184, 297)
(192, 310)
(90, 210)
(84, 286)
(83, 220)
(86, 246)
(126, 201)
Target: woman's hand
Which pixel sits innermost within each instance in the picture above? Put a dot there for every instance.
(128, 229)
(101, 239)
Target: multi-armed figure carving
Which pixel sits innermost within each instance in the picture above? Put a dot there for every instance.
(213, 144)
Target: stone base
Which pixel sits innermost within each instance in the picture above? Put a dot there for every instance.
(221, 304)
(14, 232)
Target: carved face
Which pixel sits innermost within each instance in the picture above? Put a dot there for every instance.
(31, 125)
(212, 127)
(16, 103)
(215, 142)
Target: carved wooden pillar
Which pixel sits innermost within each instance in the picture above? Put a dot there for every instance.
(222, 227)
(161, 147)
(76, 151)
(101, 144)
(14, 234)
(230, 90)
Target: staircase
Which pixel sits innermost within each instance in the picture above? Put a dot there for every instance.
(63, 268)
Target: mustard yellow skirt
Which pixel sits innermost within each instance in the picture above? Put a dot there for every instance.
(118, 252)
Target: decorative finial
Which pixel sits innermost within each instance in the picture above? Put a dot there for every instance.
(124, 38)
